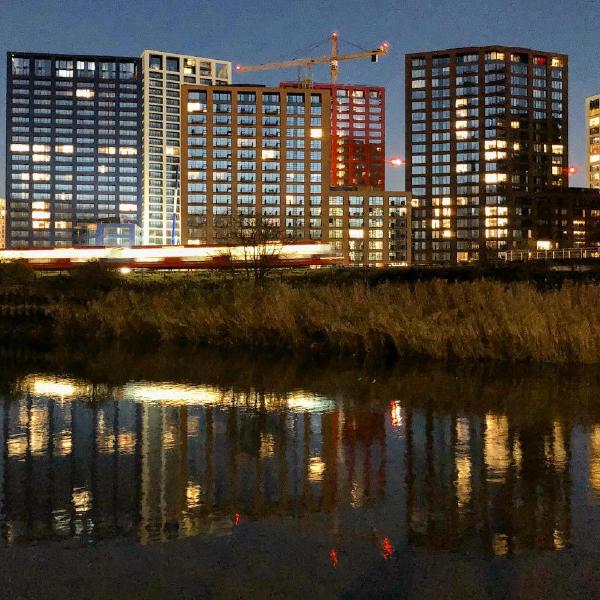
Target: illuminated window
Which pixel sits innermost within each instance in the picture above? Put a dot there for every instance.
(84, 93)
(495, 177)
(316, 133)
(269, 154)
(64, 149)
(19, 147)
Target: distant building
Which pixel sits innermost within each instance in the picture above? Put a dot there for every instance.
(567, 218)
(483, 124)
(107, 233)
(592, 137)
(164, 74)
(357, 134)
(73, 126)
(370, 228)
(254, 153)
(2, 222)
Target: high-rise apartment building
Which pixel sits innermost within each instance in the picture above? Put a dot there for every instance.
(257, 155)
(164, 74)
(369, 228)
(357, 134)
(2, 222)
(483, 124)
(254, 153)
(73, 135)
(592, 139)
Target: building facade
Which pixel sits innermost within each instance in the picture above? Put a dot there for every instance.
(369, 228)
(565, 218)
(483, 124)
(164, 74)
(73, 139)
(357, 134)
(592, 141)
(2, 222)
(254, 153)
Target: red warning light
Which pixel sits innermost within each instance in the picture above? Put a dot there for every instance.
(571, 170)
(387, 549)
(237, 519)
(333, 557)
(396, 161)
(238, 67)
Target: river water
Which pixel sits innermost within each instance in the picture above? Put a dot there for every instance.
(369, 463)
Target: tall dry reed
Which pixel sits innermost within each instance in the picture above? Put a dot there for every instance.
(479, 320)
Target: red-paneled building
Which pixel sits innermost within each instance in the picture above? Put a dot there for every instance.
(357, 134)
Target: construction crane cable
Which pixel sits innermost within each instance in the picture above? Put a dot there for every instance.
(357, 46)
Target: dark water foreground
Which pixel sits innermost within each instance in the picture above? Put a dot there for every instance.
(177, 475)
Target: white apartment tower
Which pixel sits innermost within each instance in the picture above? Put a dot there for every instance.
(164, 73)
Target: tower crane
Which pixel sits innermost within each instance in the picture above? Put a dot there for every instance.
(333, 59)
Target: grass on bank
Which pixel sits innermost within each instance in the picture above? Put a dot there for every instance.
(438, 319)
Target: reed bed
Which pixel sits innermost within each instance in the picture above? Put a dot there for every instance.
(438, 319)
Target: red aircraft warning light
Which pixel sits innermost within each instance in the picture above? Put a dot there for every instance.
(395, 161)
(571, 170)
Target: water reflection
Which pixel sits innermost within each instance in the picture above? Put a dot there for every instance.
(411, 461)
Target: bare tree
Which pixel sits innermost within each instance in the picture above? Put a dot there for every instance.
(254, 245)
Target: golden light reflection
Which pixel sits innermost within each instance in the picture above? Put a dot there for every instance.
(500, 544)
(559, 452)
(496, 454)
(463, 463)
(267, 445)
(316, 468)
(594, 459)
(559, 539)
(396, 414)
(63, 443)
(17, 447)
(38, 430)
(82, 500)
(193, 494)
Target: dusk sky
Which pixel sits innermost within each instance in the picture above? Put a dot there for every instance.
(249, 32)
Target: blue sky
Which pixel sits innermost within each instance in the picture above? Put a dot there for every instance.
(255, 31)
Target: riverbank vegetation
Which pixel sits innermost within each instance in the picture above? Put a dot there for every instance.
(386, 319)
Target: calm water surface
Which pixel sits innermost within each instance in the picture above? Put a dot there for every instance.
(488, 461)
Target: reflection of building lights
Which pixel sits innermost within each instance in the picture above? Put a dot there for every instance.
(267, 445)
(396, 413)
(496, 449)
(500, 544)
(333, 557)
(463, 463)
(316, 468)
(193, 494)
(301, 402)
(166, 393)
(45, 386)
(387, 549)
(82, 500)
(594, 458)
